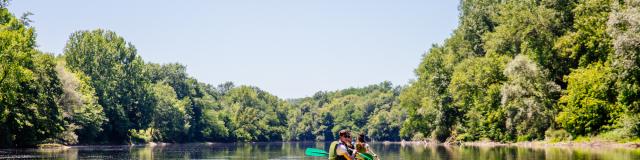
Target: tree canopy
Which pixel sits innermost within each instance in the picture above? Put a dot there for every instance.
(572, 61)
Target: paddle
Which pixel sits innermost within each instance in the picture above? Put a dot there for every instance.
(321, 153)
(366, 156)
(316, 152)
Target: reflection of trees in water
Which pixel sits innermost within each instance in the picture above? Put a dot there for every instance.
(592, 153)
(442, 152)
(71, 153)
(295, 150)
(145, 152)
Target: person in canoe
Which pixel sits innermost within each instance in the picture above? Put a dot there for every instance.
(342, 149)
(362, 147)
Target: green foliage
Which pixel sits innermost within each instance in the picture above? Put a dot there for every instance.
(386, 124)
(175, 75)
(168, 114)
(593, 57)
(80, 104)
(624, 28)
(141, 135)
(427, 100)
(475, 89)
(557, 135)
(214, 126)
(587, 42)
(29, 87)
(528, 27)
(254, 114)
(475, 21)
(122, 94)
(527, 99)
(630, 127)
(587, 106)
(67, 137)
(370, 110)
(522, 28)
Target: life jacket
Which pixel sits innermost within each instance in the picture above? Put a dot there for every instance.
(361, 147)
(332, 151)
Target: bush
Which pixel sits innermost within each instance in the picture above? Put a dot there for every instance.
(141, 136)
(68, 136)
(467, 137)
(628, 131)
(586, 109)
(631, 125)
(558, 135)
(523, 138)
(418, 137)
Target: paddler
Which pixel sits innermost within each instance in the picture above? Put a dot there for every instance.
(362, 147)
(343, 148)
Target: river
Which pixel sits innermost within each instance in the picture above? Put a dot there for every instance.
(295, 150)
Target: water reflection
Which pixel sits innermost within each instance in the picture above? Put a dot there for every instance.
(296, 151)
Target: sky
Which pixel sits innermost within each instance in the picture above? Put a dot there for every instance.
(290, 48)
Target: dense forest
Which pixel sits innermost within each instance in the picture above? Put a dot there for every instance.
(511, 71)
(531, 70)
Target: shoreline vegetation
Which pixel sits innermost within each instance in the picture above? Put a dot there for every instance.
(527, 144)
(533, 144)
(518, 72)
(52, 147)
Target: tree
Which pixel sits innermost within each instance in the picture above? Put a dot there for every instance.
(475, 21)
(475, 89)
(80, 104)
(528, 27)
(215, 128)
(624, 27)
(362, 110)
(174, 74)
(386, 124)
(29, 87)
(427, 100)
(304, 119)
(115, 72)
(588, 41)
(169, 114)
(527, 99)
(587, 107)
(254, 114)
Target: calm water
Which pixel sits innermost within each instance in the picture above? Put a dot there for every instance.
(296, 151)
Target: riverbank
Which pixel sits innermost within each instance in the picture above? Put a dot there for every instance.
(544, 144)
(527, 144)
(532, 144)
(52, 147)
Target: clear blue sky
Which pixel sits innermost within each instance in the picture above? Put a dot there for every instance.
(291, 48)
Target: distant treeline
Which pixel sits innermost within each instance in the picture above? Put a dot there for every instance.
(511, 71)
